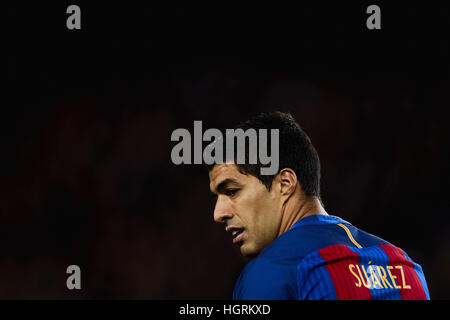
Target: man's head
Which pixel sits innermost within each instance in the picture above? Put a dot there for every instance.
(250, 204)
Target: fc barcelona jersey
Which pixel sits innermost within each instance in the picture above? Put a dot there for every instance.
(325, 257)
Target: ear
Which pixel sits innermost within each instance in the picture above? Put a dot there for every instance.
(288, 181)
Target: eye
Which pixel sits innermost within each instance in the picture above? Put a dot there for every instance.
(231, 192)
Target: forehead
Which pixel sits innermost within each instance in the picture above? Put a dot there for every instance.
(224, 171)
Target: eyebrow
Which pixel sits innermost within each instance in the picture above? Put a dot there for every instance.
(224, 184)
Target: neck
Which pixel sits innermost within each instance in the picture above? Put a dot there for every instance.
(298, 208)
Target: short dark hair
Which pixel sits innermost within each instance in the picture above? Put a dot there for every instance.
(295, 151)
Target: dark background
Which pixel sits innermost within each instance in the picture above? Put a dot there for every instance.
(86, 117)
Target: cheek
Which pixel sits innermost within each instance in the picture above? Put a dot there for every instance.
(265, 217)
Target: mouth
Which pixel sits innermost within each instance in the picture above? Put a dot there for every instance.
(236, 233)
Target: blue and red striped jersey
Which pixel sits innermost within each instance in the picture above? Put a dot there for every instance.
(325, 257)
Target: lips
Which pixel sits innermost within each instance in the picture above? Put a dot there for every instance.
(238, 237)
(236, 232)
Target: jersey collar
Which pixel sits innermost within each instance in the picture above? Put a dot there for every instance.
(318, 219)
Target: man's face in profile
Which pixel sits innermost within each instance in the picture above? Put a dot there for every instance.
(248, 209)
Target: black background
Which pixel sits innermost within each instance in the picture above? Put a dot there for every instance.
(86, 117)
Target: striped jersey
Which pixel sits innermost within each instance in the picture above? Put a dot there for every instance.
(325, 257)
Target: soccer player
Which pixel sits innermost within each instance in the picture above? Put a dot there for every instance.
(299, 251)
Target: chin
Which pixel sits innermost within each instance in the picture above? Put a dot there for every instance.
(249, 252)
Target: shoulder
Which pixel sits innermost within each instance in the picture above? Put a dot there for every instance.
(273, 274)
(297, 243)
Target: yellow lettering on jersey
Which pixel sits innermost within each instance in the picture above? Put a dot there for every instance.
(374, 278)
(405, 286)
(351, 267)
(367, 285)
(377, 280)
(389, 268)
(383, 277)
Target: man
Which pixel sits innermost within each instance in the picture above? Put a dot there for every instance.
(299, 251)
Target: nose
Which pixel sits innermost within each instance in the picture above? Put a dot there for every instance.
(222, 210)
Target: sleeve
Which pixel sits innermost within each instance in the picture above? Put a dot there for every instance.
(265, 280)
